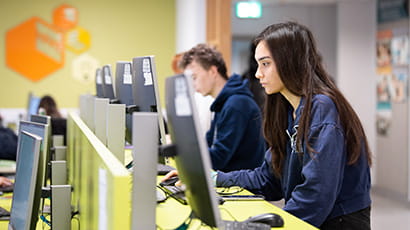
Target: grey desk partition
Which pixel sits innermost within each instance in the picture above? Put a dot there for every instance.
(145, 154)
(60, 207)
(100, 118)
(116, 130)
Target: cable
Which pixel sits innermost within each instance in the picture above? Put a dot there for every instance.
(44, 219)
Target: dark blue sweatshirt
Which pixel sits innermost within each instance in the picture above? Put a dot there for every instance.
(315, 189)
(235, 138)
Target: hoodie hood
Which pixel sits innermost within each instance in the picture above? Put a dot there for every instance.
(234, 85)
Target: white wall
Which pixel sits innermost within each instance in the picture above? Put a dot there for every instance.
(320, 18)
(190, 24)
(191, 30)
(356, 55)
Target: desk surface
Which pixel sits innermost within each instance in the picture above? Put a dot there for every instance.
(172, 214)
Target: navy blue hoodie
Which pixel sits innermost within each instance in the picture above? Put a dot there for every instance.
(315, 189)
(235, 137)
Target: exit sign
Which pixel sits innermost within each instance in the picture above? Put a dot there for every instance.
(249, 9)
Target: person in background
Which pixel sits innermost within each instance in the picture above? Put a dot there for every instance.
(319, 159)
(5, 182)
(48, 106)
(202, 102)
(8, 149)
(8, 143)
(256, 88)
(235, 137)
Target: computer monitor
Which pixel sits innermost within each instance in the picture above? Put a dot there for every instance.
(192, 157)
(99, 83)
(123, 89)
(145, 89)
(40, 130)
(57, 125)
(108, 88)
(32, 104)
(27, 188)
(42, 119)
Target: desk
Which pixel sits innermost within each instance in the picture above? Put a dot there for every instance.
(5, 202)
(172, 214)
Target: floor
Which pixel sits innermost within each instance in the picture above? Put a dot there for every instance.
(385, 213)
(389, 214)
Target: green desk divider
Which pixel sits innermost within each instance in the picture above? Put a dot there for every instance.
(101, 184)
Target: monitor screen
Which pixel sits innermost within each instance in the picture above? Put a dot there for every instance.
(99, 83)
(192, 158)
(43, 119)
(32, 104)
(145, 89)
(40, 130)
(108, 88)
(123, 89)
(27, 189)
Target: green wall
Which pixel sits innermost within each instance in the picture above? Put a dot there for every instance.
(120, 30)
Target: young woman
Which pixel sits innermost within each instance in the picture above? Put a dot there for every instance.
(319, 159)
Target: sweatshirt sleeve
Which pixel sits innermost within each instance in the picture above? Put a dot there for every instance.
(230, 129)
(323, 176)
(260, 180)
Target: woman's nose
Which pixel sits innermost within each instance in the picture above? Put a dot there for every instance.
(258, 75)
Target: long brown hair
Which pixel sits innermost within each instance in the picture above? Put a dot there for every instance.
(50, 106)
(300, 68)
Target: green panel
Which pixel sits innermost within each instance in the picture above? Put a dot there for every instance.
(120, 30)
(101, 183)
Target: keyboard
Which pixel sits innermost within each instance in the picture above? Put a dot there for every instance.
(7, 188)
(161, 197)
(176, 192)
(161, 168)
(164, 169)
(4, 214)
(236, 225)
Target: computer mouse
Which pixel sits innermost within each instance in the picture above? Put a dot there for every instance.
(272, 219)
(170, 181)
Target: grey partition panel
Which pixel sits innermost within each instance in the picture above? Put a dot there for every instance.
(116, 130)
(145, 154)
(100, 118)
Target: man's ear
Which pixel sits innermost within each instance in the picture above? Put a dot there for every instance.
(213, 70)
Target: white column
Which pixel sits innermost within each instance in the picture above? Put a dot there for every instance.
(191, 30)
(190, 23)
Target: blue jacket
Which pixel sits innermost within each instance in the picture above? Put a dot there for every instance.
(235, 138)
(314, 189)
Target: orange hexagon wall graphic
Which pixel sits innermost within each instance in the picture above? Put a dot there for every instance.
(34, 48)
(65, 17)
